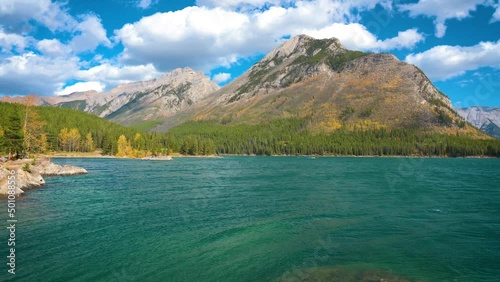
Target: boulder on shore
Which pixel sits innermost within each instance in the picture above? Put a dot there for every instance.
(45, 167)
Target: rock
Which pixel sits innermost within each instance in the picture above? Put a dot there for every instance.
(486, 119)
(48, 168)
(23, 180)
(343, 273)
(160, 158)
(321, 80)
(33, 179)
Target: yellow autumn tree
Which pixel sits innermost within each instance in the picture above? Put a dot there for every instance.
(89, 144)
(138, 141)
(2, 133)
(122, 146)
(33, 126)
(69, 139)
(44, 143)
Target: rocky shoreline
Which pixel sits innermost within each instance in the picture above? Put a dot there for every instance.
(29, 174)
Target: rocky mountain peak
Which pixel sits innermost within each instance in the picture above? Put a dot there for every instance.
(335, 87)
(304, 44)
(182, 74)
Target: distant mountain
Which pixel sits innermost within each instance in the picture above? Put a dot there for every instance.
(140, 102)
(485, 118)
(333, 87)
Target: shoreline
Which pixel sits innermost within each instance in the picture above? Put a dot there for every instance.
(173, 156)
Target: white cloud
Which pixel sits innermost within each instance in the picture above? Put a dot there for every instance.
(45, 75)
(496, 15)
(444, 62)
(221, 77)
(195, 37)
(12, 41)
(81, 87)
(242, 5)
(442, 11)
(205, 37)
(111, 75)
(91, 34)
(53, 47)
(31, 73)
(18, 14)
(144, 4)
(356, 36)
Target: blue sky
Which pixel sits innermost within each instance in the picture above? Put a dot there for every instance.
(51, 47)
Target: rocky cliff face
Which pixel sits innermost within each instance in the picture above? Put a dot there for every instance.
(485, 118)
(335, 87)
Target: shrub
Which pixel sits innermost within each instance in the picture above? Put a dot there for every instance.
(27, 168)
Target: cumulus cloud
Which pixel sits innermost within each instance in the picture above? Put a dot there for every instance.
(242, 5)
(496, 15)
(111, 75)
(356, 36)
(206, 37)
(17, 14)
(444, 62)
(32, 73)
(53, 47)
(196, 37)
(91, 34)
(13, 42)
(82, 87)
(441, 11)
(221, 77)
(43, 67)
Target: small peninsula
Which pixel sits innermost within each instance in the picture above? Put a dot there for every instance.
(29, 173)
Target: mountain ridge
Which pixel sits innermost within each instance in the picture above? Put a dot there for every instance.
(320, 80)
(334, 87)
(486, 119)
(138, 102)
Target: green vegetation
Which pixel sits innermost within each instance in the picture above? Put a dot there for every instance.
(130, 106)
(254, 78)
(146, 126)
(338, 62)
(444, 118)
(291, 137)
(77, 105)
(11, 133)
(73, 131)
(346, 113)
(61, 129)
(27, 168)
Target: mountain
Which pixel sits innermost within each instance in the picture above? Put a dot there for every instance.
(333, 88)
(304, 78)
(143, 102)
(485, 118)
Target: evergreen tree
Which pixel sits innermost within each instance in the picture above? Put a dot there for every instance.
(13, 136)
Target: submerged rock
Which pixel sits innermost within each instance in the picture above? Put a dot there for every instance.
(342, 274)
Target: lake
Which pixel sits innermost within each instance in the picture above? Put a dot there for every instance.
(262, 219)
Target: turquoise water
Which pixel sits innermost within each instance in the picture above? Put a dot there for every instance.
(262, 219)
